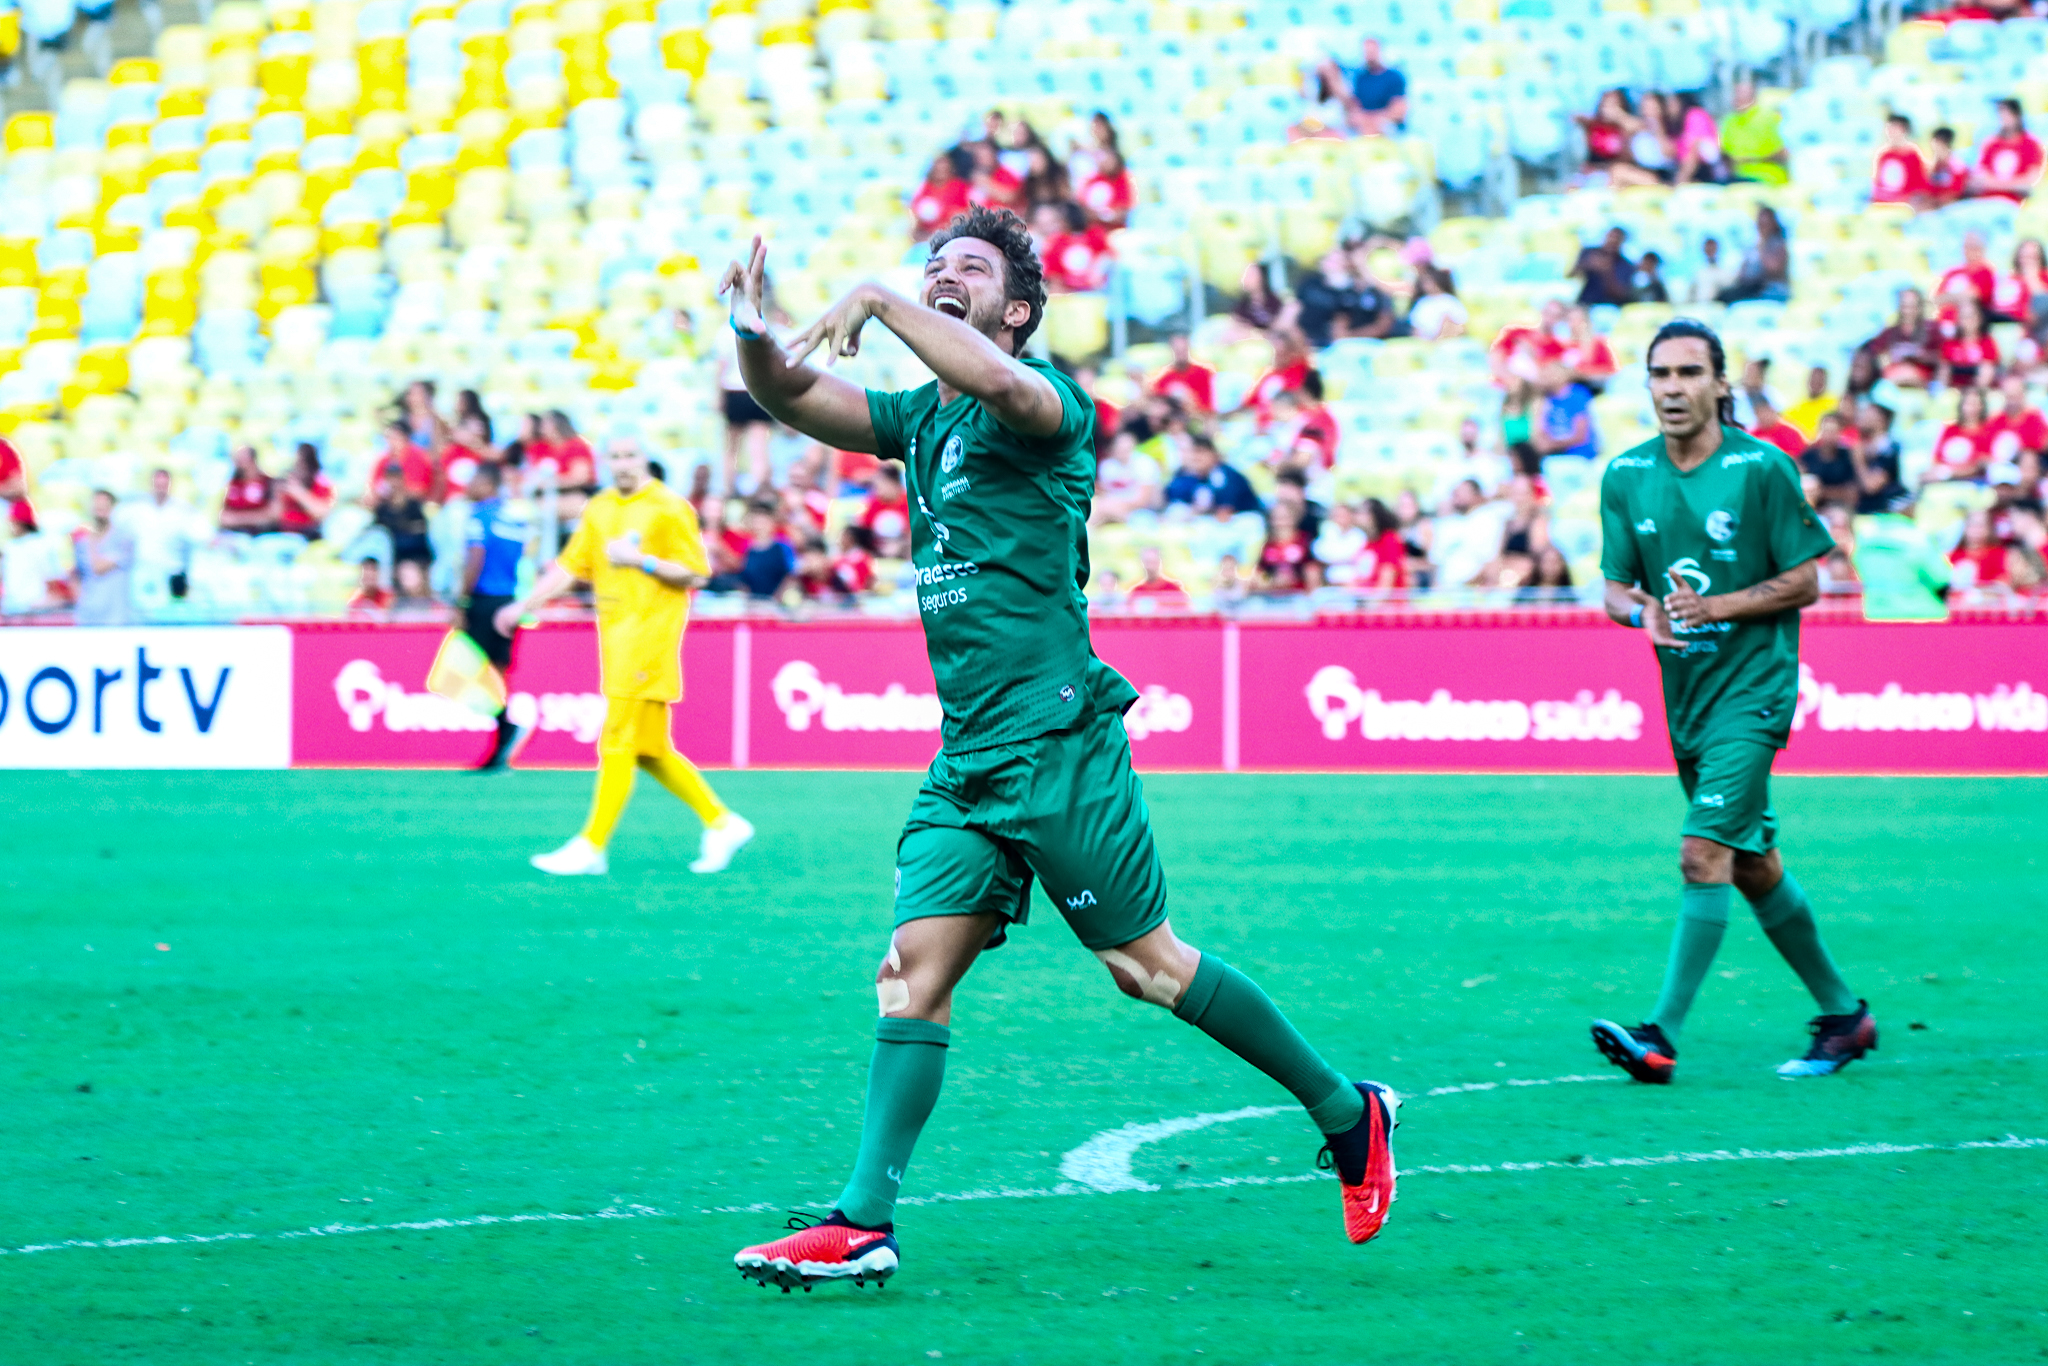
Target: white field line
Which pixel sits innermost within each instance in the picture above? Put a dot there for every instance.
(2009, 1143)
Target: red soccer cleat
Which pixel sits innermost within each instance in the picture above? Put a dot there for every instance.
(1643, 1052)
(1363, 1158)
(833, 1250)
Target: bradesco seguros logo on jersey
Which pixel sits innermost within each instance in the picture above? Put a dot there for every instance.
(145, 697)
(1337, 702)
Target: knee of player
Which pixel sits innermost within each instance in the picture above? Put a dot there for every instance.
(1157, 985)
(1704, 861)
(892, 988)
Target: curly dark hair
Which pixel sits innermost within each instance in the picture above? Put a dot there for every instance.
(1023, 277)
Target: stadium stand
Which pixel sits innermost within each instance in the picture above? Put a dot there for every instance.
(267, 227)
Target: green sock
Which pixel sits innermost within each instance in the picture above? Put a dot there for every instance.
(1787, 917)
(903, 1085)
(1702, 920)
(1229, 1007)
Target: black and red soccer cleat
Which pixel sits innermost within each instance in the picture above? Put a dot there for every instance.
(1643, 1052)
(1838, 1040)
(830, 1250)
(1363, 1158)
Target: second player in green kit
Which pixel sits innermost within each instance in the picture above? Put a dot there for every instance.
(1709, 545)
(1034, 782)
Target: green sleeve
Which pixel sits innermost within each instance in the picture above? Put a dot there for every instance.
(1797, 533)
(885, 413)
(1621, 558)
(1077, 420)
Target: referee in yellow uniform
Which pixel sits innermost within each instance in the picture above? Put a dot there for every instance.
(640, 549)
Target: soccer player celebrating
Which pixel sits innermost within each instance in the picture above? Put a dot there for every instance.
(1034, 779)
(1713, 520)
(639, 547)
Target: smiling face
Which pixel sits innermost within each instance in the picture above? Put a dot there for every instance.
(1684, 389)
(966, 279)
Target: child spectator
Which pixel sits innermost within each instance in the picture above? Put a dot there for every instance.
(371, 597)
(814, 570)
(2010, 162)
(1948, 175)
(1901, 174)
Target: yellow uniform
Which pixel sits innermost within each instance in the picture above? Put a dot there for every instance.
(640, 624)
(640, 619)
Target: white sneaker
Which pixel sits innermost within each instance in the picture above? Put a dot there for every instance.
(721, 842)
(578, 857)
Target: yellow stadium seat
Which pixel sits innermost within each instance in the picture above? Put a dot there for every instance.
(29, 131)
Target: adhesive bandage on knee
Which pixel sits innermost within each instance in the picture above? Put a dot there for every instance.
(1160, 988)
(891, 993)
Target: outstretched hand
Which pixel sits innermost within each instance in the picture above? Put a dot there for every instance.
(745, 288)
(838, 330)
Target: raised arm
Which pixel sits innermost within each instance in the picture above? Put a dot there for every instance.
(965, 360)
(823, 407)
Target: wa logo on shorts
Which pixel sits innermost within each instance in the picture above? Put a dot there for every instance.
(1075, 903)
(1721, 526)
(954, 452)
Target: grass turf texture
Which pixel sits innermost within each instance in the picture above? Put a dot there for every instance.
(370, 1009)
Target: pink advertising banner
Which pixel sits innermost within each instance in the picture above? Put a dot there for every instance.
(1572, 694)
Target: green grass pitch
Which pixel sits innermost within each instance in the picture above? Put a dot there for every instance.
(370, 1011)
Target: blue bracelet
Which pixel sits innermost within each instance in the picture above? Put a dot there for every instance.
(648, 563)
(742, 332)
(1635, 617)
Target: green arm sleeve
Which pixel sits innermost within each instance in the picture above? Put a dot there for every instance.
(885, 413)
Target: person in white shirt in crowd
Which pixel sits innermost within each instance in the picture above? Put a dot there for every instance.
(1711, 274)
(1489, 468)
(1339, 543)
(1437, 313)
(165, 530)
(1129, 484)
(1466, 535)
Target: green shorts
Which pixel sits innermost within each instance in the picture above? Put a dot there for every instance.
(1728, 794)
(1065, 808)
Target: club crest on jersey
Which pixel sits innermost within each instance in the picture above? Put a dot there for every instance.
(952, 455)
(1721, 525)
(1647, 527)
(1689, 570)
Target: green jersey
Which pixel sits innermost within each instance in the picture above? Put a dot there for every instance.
(1731, 522)
(999, 539)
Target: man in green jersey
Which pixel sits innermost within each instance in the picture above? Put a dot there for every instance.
(1708, 544)
(1034, 780)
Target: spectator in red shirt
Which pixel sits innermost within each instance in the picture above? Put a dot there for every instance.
(887, 515)
(1767, 423)
(2022, 296)
(1521, 351)
(371, 598)
(1607, 131)
(1980, 558)
(1964, 447)
(571, 460)
(1901, 174)
(853, 568)
(14, 490)
(250, 504)
(1076, 256)
(992, 184)
(2019, 433)
(470, 448)
(1106, 195)
(1585, 352)
(1382, 564)
(1305, 429)
(1154, 591)
(943, 194)
(1193, 385)
(1973, 279)
(2010, 162)
(1906, 351)
(415, 466)
(1289, 370)
(304, 497)
(1948, 175)
(1968, 355)
(1287, 565)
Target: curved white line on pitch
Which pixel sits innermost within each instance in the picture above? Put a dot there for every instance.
(1103, 1163)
